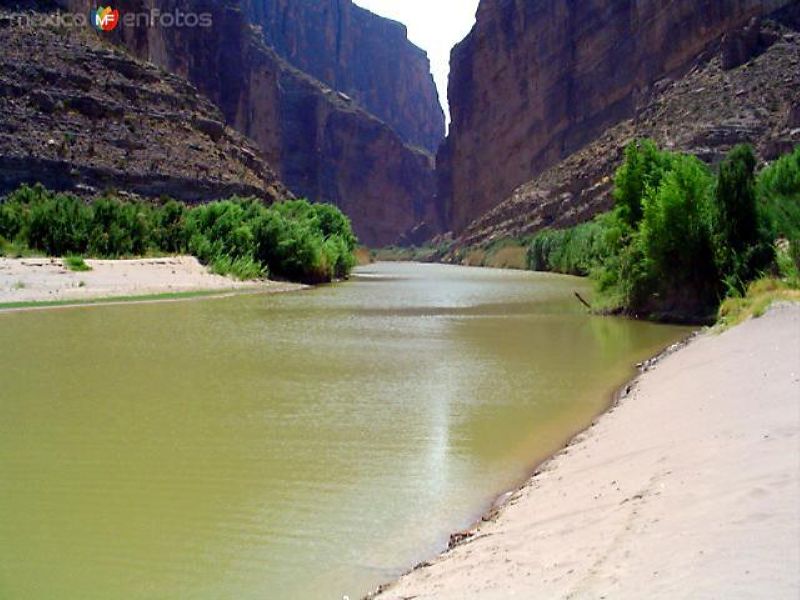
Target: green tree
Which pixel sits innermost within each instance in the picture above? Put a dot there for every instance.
(642, 169)
(676, 231)
(738, 241)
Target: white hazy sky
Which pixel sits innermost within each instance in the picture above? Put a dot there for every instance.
(433, 25)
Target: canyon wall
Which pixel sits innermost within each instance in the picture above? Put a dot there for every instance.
(536, 80)
(323, 144)
(365, 56)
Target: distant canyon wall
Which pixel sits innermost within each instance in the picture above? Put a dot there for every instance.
(323, 144)
(536, 80)
(360, 54)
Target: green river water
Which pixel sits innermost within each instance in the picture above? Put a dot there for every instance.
(307, 445)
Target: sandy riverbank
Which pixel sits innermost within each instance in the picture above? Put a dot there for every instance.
(688, 488)
(46, 280)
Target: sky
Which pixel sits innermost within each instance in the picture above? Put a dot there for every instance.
(433, 25)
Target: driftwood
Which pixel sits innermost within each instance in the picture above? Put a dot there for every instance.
(582, 301)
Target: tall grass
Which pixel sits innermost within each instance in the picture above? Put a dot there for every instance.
(574, 251)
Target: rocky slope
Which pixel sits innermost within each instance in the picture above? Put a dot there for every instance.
(367, 57)
(323, 144)
(706, 112)
(536, 81)
(78, 114)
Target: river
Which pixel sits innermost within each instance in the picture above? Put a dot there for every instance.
(307, 445)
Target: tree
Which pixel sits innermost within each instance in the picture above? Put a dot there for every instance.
(676, 233)
(742, 247)
(644, 167)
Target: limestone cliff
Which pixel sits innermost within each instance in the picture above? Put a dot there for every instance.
(367, 57)
(537, 80)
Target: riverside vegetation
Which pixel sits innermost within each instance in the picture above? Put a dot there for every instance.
(294, 240)
(681, 238)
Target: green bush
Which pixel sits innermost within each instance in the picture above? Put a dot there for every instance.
(57, 224)
(736, 221)
(242, 237)
(676, 236)
(781, 178)
(575, 251)
(778, 190)
(76, 264)
(743, 230)
(119, 228)
(644, 167)
(305, 242)
(10, 221)
(168, 233)
(676, 224)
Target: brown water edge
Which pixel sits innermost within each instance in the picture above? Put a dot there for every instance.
(542, 463)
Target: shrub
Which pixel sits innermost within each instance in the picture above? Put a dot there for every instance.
(57, 224)
(743, 235)
(119, 228)
(169, 227)
(782, 178)
(786, 261)
(10, 220)
(333, 223)
(338, 254)
(736, 221)
(240, 236)
(778, 191)
(76, 264)
(574, 251)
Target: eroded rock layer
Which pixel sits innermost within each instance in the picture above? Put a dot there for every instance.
(77, 114)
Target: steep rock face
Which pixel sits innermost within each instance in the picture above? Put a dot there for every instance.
(704, 112)
(325, 147)
(78, 115)
(367, 57)
(536, 80)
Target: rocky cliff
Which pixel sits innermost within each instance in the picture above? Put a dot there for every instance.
(324, 145)
(537, 80)
(77, 114)
(367, 57)
(706, 112)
